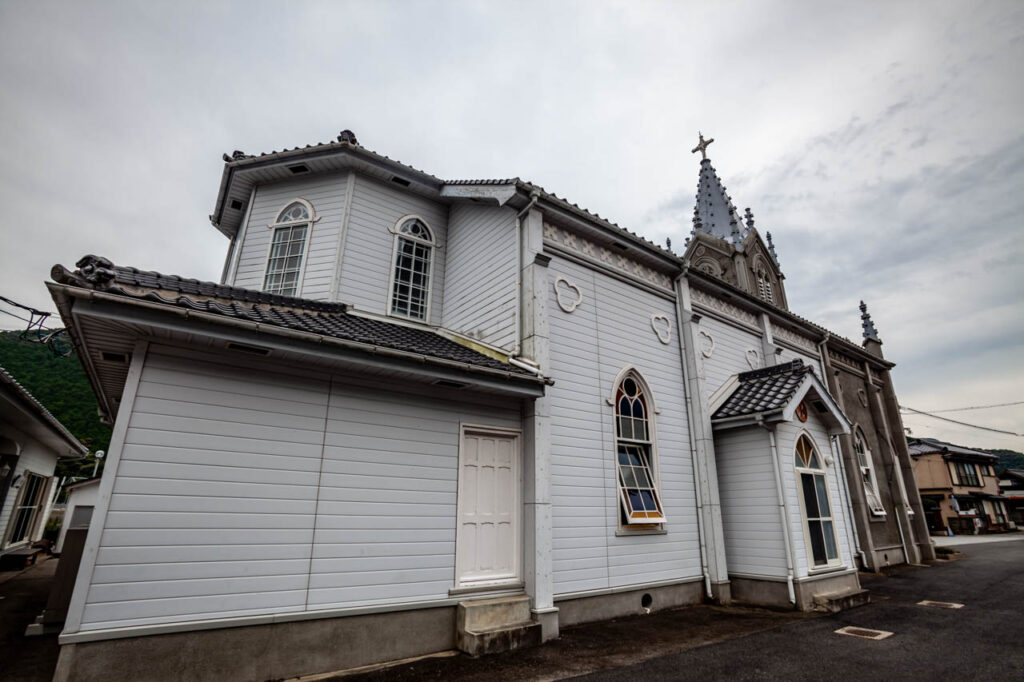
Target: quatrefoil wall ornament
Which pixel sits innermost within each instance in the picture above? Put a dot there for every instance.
(707, 344)
(567, 294)
(753, 358)
(662, 326)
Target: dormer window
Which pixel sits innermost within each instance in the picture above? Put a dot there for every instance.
(288, 249)
(410, 272)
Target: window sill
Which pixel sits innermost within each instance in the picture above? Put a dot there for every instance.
(825, 570)
(626, 532)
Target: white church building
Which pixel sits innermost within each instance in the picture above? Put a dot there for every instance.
(419, 414)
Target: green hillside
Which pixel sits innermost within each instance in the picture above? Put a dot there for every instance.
(61, 386)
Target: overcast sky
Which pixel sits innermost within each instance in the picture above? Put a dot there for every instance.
(880, 142)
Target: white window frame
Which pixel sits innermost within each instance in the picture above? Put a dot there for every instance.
(397, 238)
(800, 471)
(649, 450)
(278, 224)
(38, 508)
(867, 472)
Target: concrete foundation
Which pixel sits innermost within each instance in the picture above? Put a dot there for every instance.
(262, 652)
(775, 594)
(587, 609)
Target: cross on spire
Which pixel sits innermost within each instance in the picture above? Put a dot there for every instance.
(702, 147)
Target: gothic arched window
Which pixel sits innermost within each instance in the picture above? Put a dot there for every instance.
(288, 249)
(638, 486)
(814, 501)
(867, 472)
(764, 285)
(410, 273)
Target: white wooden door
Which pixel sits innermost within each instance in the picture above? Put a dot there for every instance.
(487, 544)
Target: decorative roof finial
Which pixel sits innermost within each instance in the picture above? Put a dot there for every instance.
(348, 136)
(668, 243)
(748, 215)
(702, 146)
(771, 248)
(870, 333)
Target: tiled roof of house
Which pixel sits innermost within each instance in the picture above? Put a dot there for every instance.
(763, 390)
(924, 446)
(39, 411)
(296, 314)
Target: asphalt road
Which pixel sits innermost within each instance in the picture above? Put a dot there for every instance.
(981, 641)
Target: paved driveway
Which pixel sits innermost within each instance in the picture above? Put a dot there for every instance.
(981, 641)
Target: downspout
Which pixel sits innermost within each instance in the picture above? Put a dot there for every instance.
(783, 508)
(534, 196)
(852, 523)
(701, 533)
(896, 470)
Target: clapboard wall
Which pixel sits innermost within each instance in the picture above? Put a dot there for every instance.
(480, 295)
(754, 543)
(609, 330)
(246, 489)
(726, 353)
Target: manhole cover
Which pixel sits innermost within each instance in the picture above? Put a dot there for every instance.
(940, 604)
(863, 633)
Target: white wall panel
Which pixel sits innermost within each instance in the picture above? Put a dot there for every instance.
(610, 329)
(729, 353)
(480, 284)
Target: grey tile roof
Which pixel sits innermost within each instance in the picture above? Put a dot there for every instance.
(763, 390)
(40, 412)
(924, 446)
(296, 314)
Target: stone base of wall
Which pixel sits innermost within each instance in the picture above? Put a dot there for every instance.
(775, 594)
(587, 609)
(262, 652)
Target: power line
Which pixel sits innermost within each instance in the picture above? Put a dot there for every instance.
(954, 421)
(977, 407)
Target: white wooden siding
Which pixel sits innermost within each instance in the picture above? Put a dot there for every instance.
(729, 355)
(610, 329)
(245, 491)
(386, 518)
(38, 459)
(809, 359)
(754, 543)
(786, 436)
(369, 243)
(326, 193)
(480, 295)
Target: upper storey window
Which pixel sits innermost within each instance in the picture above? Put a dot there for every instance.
(288, 249)
(410, 275)
(764, 286)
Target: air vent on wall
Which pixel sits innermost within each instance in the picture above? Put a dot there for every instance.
(298, 168)
(243, 348)
(400, 181)
(236, 205)
(449, 384)
(121, 358)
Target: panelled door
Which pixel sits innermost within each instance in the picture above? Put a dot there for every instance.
(487, 543)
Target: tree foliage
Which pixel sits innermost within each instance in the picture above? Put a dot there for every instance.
(1008, 459)
(60, 384)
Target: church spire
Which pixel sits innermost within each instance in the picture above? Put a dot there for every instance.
(714, 212)
(870, 333)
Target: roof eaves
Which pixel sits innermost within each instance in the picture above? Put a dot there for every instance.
(40, 412)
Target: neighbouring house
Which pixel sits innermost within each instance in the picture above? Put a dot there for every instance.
(417, 414)
(31, 442)
(81, 501)
(959, 488)
(1011, 487)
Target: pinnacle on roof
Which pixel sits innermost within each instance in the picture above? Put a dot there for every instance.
(714, 212)
(771, 248)
(870, 333)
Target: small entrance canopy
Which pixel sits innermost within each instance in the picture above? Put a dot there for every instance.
(774, 394)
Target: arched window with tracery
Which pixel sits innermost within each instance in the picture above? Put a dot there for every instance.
(867, 473)
(637, 482)
(764, 285)
(410, 274)
(288, 249)
(817, 510)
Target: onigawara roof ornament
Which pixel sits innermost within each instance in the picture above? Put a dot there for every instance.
(348, 137)
(702, 146)
(870, 333)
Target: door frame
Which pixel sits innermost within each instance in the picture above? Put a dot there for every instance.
(517, 504)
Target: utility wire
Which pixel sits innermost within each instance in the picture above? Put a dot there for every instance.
(954, 421)
(977, 407)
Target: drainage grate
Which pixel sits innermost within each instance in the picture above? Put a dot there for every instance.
(863, 633)
(940, 604)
